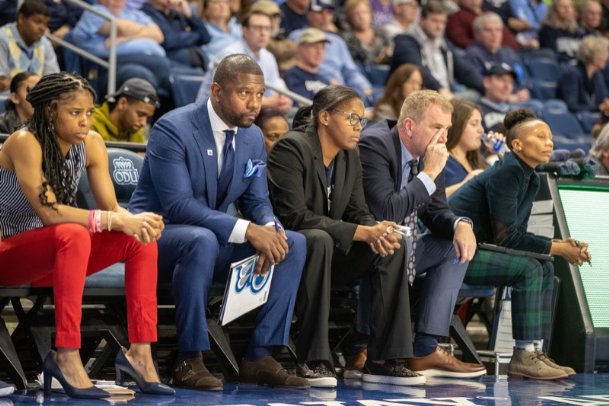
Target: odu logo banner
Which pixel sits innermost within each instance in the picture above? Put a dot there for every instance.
(247, 278)
(125, 172)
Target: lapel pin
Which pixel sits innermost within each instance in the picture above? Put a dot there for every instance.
(210, 152)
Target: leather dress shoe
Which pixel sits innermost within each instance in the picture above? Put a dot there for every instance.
(267, 371)
(441, 363)
(192, 374)
(354, 365)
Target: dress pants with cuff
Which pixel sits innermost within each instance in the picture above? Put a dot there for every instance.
(191, 259)
(326, 267)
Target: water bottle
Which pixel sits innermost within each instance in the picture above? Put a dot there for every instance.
(496, 145)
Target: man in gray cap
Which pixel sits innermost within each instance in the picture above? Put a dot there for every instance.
(125, 113)
(309, 76)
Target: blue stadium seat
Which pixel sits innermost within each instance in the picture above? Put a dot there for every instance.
(587, 119)
(377, 74)
(544, 74)
(565, 124)
(554, 106)
(185, 85)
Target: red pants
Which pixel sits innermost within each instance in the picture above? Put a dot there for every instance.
(62, 256)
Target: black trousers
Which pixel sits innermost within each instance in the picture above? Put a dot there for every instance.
(326, 267)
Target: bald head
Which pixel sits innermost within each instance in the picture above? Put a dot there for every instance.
(233, 65)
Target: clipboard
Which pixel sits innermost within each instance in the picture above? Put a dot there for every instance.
(244, 290)
(515, 252)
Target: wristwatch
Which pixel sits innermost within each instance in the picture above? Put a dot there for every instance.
(467, 220)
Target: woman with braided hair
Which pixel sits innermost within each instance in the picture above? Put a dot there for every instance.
(40, 166)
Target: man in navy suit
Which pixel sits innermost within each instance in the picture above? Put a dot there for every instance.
(403, 176)
(202, 161)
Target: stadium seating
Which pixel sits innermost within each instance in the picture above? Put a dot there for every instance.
(185, 84)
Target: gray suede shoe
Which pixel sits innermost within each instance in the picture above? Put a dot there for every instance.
(526, 364)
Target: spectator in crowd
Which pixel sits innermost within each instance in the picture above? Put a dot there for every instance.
(183, 32)
(529, 14)
(315, 184)
(382, 12)
(64, 16)
(221, 26)
(583, 86)
(604, 28)
(273, 124)
(499, 201)
(309, 75)
(136, 32)
(18, 109)
(256, 37)
(499, 96)
(189, 180)
(137, 43)
(465, 143)
(600, 152)
(282, 48)
(407, 79)
(503, 9)
(560, 31)
(590, 17)
(426, 47)
(487, 50)
(337, 58)
(294, 15)
(460, 26)
(40, 167)
(367, 44)
(397, 190)
(405, 17)
(487, 46)
(125, 114)
(23, 47)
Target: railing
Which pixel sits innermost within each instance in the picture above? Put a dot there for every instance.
(111, 63)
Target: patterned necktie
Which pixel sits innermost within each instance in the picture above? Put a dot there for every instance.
(411, 222)
(228, 163)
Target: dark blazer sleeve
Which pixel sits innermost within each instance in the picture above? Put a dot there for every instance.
(504, 212)
(173, 180)
(297, 196)
(387, 201)
(407, 50)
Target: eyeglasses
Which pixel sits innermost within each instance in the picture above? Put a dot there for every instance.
(354, 118)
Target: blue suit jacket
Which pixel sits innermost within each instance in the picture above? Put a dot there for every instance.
(180, 174)
(381, 156)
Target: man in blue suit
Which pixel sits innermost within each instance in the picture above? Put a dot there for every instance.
(203, 160)
(403, 176)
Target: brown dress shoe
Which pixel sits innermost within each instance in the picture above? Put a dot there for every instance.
(192, 374)
(267, 371)
(354, 365)
(441, 363)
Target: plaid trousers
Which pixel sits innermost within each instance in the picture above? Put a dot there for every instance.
(532, 283)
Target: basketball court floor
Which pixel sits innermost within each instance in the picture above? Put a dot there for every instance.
(583, 389)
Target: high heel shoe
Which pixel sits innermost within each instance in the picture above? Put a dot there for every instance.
(123, 366)
(51, 370)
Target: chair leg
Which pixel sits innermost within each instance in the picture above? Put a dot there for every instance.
(460, 335)
(221, 347)
(8, 358)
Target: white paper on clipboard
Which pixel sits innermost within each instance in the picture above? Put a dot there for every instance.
(244, 290)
